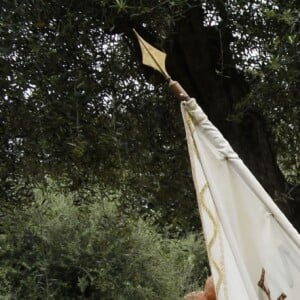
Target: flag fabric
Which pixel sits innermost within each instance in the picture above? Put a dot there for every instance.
(253, 250)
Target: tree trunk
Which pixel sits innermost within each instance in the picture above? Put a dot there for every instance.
(200, 59)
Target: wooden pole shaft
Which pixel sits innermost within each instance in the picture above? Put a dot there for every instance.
(178, 91)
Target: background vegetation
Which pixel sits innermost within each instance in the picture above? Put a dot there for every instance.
(96, 193)
(55, 250)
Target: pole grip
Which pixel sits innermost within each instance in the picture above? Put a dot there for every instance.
(178, 91)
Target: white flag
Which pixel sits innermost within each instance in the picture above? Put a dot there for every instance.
(248, 238)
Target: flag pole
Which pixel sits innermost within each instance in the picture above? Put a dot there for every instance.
(177, 90)
(156, 59)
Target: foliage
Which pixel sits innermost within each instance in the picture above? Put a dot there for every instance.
(267, 48)
(264, 40)
(74, 104)
(74, 107)
(277, 86)
(55, 250)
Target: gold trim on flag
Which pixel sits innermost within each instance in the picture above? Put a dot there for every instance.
(201, 203)
(213, 239)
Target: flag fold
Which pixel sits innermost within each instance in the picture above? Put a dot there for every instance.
(253, 250)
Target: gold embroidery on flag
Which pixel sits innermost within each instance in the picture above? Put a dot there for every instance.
(222, 265)
(262, 285)
(190, 129)
(214, 235)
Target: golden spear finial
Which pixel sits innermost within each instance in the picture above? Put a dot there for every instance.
(153, 57)
(156, 59)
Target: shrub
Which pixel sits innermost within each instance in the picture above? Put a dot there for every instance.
(55, 250)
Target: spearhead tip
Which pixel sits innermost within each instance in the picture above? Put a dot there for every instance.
(152, 57)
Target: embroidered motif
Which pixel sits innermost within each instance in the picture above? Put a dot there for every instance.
(214, 235)
(261, 284)
(201, 202)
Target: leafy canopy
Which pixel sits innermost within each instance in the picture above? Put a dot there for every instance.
(75, 106)
(59, 251)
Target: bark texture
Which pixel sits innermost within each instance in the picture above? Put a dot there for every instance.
(200, 59)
